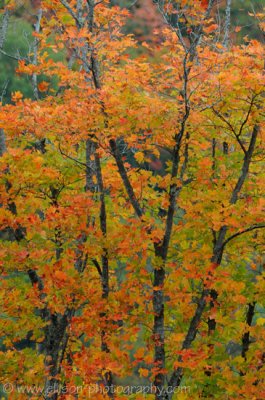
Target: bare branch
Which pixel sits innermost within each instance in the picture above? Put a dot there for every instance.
(71, 158)
(251, 228)
(12, 56)
(95, 262)
(247, 116)
(231, 128)
(71, 12)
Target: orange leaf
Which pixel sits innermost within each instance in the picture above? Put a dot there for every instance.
(60, 275)
(43, 86)
(139, 353)
(211, 28)
(16, 96)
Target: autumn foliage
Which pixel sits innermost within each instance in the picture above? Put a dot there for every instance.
(132, 208)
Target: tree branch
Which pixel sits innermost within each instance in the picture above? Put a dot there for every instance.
(246, 163)
(251, 228)
(177, 374)
(96, 263)
(123, 173)
(71, 12)
(246, 335)
(71, 158)
(237, 135)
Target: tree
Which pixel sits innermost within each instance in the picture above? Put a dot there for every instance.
(111, 268)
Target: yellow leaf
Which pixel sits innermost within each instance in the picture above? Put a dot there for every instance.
(139, 157)
(143, 372)
(260, 321)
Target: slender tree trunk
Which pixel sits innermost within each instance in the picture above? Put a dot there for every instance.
(227, 23)
(2, 143)
(246, 336)
(37, 27)
(108, 378)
